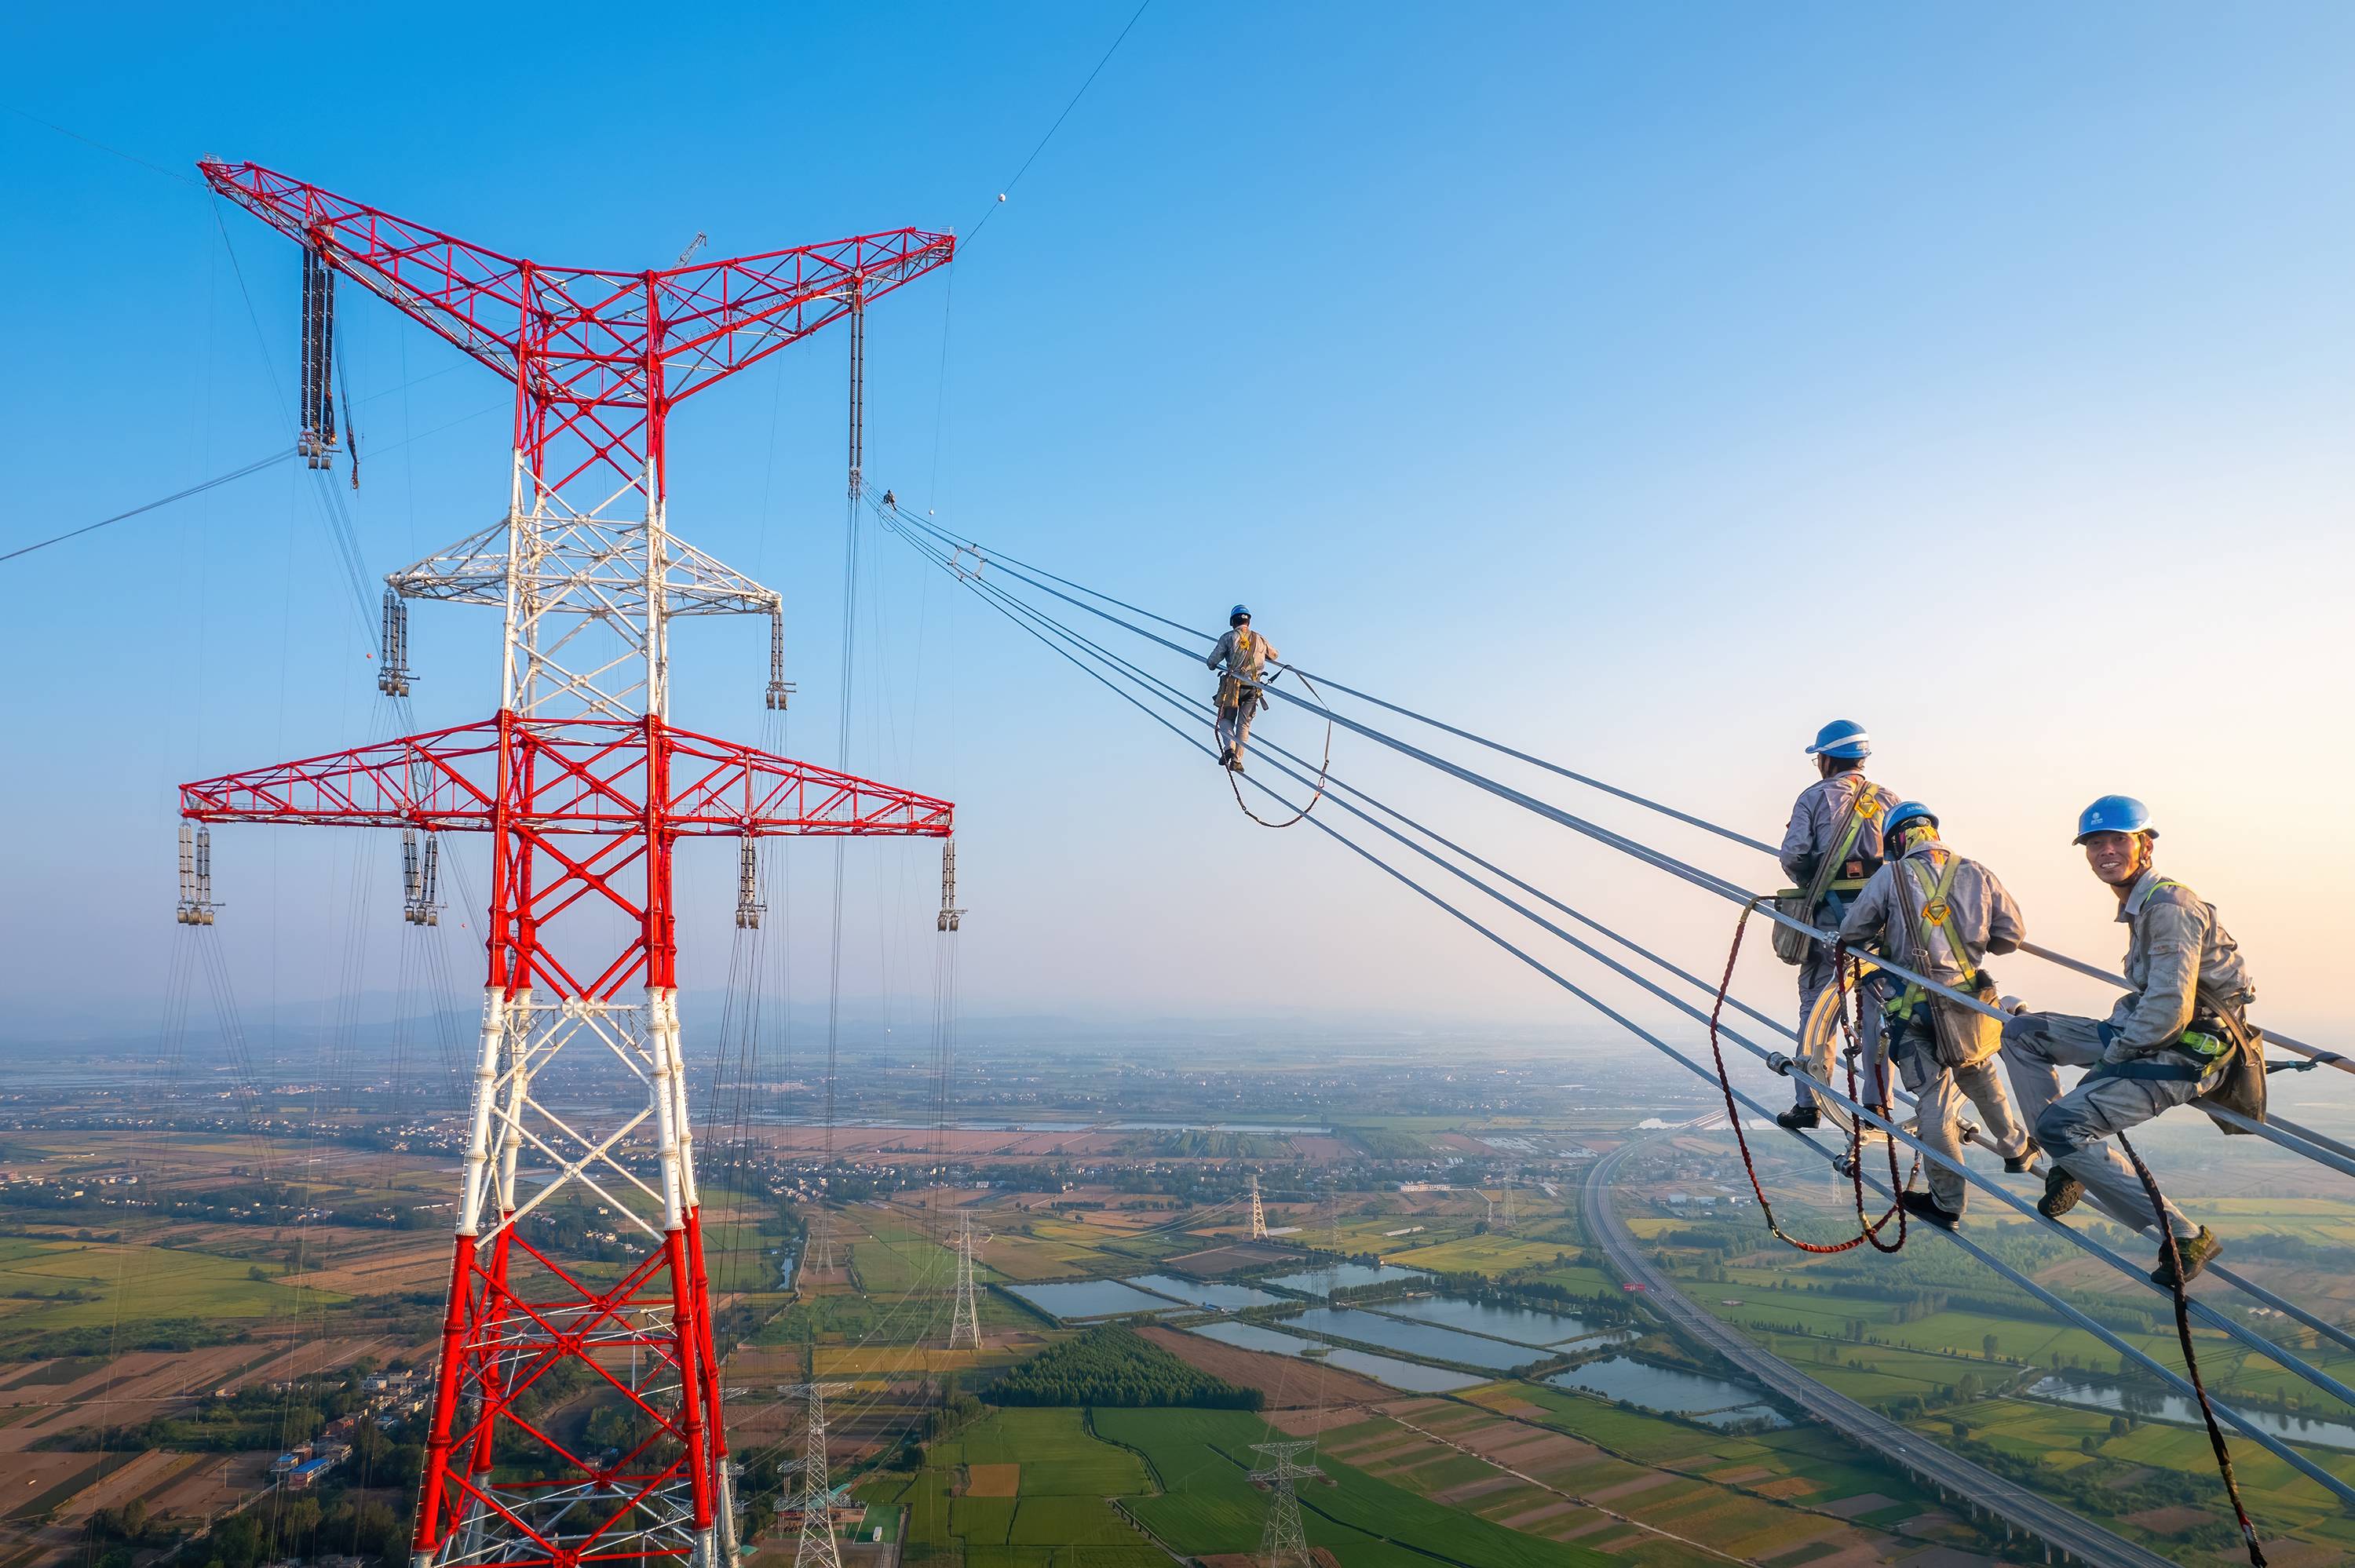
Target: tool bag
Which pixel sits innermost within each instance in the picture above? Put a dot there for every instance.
(1791, 944)
(2242, 1087)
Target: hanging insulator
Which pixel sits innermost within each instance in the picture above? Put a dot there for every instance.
(187, 874)
(307, 398)
(326, 360)
(430, 895)
(196, 876)
(748, 886)
(392, 656)
(412, 883)
(951, 916)
(780, 689)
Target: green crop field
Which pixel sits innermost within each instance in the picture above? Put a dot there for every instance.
(1201, 1461)
(127, 1284)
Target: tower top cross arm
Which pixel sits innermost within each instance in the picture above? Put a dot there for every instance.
(581, 339)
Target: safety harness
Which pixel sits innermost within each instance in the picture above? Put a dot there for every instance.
(1233, 689)
(1790, 945)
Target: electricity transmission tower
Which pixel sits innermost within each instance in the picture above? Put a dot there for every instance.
(816, 1548)
(585, 789)
(964, 1324)
(1284, 1543)
(1259, 1215)
(1512, 1194)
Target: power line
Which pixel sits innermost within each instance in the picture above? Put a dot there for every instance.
(198, 489)
(1016, 611)
(1058, 125)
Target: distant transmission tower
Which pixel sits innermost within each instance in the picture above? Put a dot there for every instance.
(964, 1327)
(1512, 1191)
(1259, 1215)
(817, 1548)
(1284, 1545)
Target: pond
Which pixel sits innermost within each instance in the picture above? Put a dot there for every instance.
(1318, 1281)
(1518, 1324)
(786, 1263)
(1231, 1297)
(2174, 1407)
(1711, 1401)
(1414, 1339)
(1089, 1298)
(1399, 1374)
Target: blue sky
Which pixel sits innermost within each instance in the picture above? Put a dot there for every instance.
(1646, 385)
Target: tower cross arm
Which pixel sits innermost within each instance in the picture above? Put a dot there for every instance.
(470, 294)
(721, 788)
(569, 776)
(721, 317)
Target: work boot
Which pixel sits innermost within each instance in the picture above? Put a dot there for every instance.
(1237, 763)
(1798, 1118)
(2061, 1191)
(1922, 1206)
(2026, 1160)
(2197, 1253)
(1226, 756)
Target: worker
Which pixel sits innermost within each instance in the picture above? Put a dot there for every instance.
(1240, 658)
(2178, 1035)
(1940, 915)
(1833, 842)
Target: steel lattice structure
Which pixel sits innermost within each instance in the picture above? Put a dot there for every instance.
(585, 789)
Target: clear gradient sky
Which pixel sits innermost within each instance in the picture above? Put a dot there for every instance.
(1644, 384)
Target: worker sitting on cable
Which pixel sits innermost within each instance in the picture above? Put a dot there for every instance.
(1940, 915)
(1833, 842)
(2180, 1034)
(1240, 657)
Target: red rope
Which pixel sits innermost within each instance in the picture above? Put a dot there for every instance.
(1869, 1229)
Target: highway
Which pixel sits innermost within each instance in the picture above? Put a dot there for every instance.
(1962, 1482)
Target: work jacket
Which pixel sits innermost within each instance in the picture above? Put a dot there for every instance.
(1816, 817)
(2174, 947)
(1978, 910)
(1244, 653)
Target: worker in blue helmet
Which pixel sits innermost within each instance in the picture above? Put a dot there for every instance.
(1832, 844)
(2179, 1034)
(1242, 659)
(1940, 915)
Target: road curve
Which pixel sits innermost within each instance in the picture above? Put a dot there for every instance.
(1978, 1489)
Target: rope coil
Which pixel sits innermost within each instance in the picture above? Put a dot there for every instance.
(1868, 1230)
(1324, 768)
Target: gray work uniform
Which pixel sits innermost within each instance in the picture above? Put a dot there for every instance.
(1816, 817)
(1945, 1052)
(2174, 947)
(1241, 657)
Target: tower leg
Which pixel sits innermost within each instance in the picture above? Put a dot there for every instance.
(433, 1498)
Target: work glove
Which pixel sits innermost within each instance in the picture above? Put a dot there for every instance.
(2017, 1023)
(2117, 1051)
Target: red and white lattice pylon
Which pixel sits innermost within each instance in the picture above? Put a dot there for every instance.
(585, 789)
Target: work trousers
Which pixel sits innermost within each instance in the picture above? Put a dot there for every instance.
(1234, 724)
(1939, 1093)
(1815, 978)
(2072, 1126)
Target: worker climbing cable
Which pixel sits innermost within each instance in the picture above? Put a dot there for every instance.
(1832, 843)
(1241, 657)
(1944, 913)
(2180, 1034)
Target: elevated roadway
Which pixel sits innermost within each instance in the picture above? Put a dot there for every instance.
(1966, 1485)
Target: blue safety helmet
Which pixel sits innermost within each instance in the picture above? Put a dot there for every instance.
(1907, 814)
(1240, 612)
(1841, 737)
(2113, 814)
